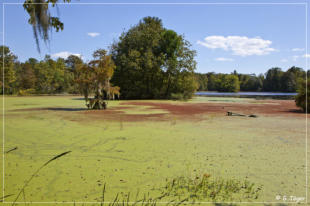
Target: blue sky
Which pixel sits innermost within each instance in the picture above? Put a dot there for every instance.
(249, 38)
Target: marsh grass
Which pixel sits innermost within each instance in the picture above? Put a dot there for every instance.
(11, 150)
(211, 189)
(190, 191)
(5, 196)
(183, 190)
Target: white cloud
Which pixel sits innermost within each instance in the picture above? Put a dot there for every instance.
(306, 56)
(64, 54)
(239, 45)
(298, 49)
(295, 57)
(93, 34)
(222, 59)
(284, 60)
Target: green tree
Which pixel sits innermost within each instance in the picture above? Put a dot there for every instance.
(27, 77)
(50, 75)
(8, 76)
(288, 81)
(250, 83)
(72, 61)
(292, 78)
(103, 68)
(229, 83)
(72, 64)
(273, 78)
(303, 98)
(212, 82)
(202, 81)
(44, 77)
(153, 62)
(84, 79)
(95, 77)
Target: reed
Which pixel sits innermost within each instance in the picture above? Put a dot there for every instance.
(35, 173)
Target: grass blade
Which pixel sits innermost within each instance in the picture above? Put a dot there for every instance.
(15, 148)
(36, 172)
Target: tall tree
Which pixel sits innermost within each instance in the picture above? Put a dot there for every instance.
(212, 81)
(202, 80)
(95, 77)
(103, 69)
(84, 79)
(72, 61)
(272, 81)
(303, 97)
(250, 82)
(229, 83)
(7, 72)
(27, 77)
(292, 78)
(153, 62)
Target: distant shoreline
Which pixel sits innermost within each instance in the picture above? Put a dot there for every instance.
(273, 95)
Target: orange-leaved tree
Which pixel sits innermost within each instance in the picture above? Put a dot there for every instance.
(94, 78)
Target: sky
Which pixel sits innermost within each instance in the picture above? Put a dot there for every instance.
(248, 38)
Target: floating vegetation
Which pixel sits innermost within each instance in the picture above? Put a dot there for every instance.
(36, 172)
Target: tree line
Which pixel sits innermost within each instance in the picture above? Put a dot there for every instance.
(148, 61)
(57, 76)
(274, 80)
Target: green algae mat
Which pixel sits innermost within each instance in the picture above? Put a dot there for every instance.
(168, 151)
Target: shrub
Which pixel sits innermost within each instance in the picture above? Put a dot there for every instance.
(25, 92)
(177, 96)
(181, 96)
(300, 99)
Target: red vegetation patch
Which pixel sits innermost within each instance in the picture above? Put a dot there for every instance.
(193, 110)
(113, 114)
(184, 111)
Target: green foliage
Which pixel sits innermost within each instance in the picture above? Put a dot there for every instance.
(202, 81)
(25, 92)
(153, 62)
(275, 80)
(250, 82)
(222, 82)
(27, 78)
(8, 79)
(228, 83)
(52, 76)
(211, 189)
(212, 81)
(94, 77)
(165, 71)
(178, 96)
(279, 81)
(47, 76)
(292, 78)
(303, 98)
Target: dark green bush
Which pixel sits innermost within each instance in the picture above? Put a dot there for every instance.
(302, 99)
(181, 96)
